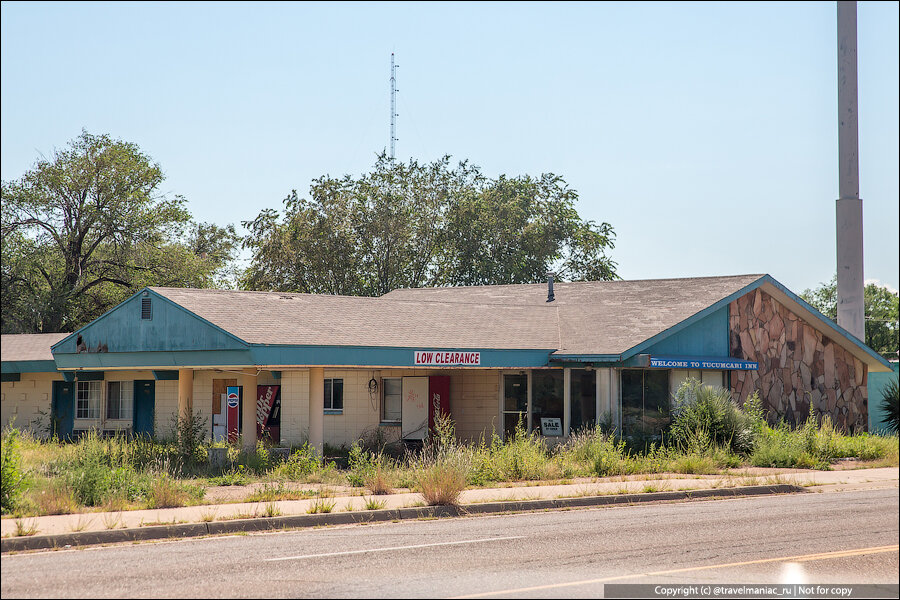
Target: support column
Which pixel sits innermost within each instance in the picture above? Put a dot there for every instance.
(185, 393)
(248, 415)
(317, 409)
(601, 387)
(567, 401)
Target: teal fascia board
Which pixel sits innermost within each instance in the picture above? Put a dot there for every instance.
(172, 328)
(28, 366)
(725, 302)
(83, 375)
(387, 357)
(586, 360)
(149, 360)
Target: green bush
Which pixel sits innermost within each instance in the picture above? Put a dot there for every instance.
(13, 479)
(704, 416)
(302, 462)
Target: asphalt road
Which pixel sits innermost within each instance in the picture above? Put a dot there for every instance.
(842, 537)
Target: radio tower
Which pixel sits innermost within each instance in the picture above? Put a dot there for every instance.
(394, 114)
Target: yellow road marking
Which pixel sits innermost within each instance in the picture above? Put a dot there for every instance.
(801, 558)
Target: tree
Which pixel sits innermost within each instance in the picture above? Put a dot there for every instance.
(415, 225)
(88, 227)
(882, 310)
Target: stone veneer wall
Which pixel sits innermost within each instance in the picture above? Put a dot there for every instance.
(797, 364)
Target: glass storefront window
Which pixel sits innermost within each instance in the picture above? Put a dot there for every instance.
(546, 399)
(645, 402)
(583, 396)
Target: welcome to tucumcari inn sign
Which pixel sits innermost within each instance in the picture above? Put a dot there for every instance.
(677, 362)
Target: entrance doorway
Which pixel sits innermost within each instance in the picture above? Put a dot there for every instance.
(62, 410)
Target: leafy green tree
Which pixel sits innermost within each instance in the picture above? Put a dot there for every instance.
(882, 309)
(87, 227)
(415, 225)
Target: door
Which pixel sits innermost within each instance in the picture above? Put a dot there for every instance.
(62, 410)
(144, 407)
(414, 408)
(515, 403)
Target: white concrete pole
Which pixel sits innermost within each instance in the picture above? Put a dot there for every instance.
(317, 409)
(849, 217)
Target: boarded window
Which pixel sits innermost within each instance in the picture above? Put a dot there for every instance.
(146, 313)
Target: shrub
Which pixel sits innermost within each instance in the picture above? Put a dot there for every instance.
(302, 462)
(441, 483)
(704, 416)
(361, 464)
(890, 404)
(13, 479)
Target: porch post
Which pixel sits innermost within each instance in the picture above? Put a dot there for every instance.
(248, 418)
(185, 393)
(317, 408)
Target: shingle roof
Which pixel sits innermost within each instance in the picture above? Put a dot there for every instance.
(585, 318)
(601, 317)
(28, 346)
(323, 320)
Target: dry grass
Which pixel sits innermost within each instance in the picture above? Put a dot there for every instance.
(81, 524)
(379, 482)
(25, 527)
(111, 520)
(441, 484)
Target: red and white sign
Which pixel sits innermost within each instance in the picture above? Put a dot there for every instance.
(441, 358)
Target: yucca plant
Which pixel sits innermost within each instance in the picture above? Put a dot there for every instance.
(890, 404)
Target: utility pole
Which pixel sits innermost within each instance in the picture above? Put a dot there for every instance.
(850, 286)
(394, 114)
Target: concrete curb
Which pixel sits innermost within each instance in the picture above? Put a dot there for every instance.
(112, 536)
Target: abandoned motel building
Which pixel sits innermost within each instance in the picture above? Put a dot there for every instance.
(331, 369)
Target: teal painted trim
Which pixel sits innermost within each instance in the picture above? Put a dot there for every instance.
(643, 346)
(389, 424)
(358, 356)
(646, 344)
(586, 358)
(145, 360)
(71, 376)
(28, 366)
(852, 338)
(705, 337)
(276, 375)
(89, 375)
(332, 411)
(165, 375)
(122, 329)
(7, 377)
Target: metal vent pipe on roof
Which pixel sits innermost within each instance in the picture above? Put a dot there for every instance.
(550, 276)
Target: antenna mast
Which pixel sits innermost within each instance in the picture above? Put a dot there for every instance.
(394, 114)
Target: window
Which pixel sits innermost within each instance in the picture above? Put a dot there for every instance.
(334, 395)
(88, 400)
(547, 401)
(390, 407)
(119, 400)
(583, 395)
(645, 402)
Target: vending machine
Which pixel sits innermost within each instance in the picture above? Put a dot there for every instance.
(233, 401)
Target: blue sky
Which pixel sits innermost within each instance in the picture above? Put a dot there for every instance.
(705, 133)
